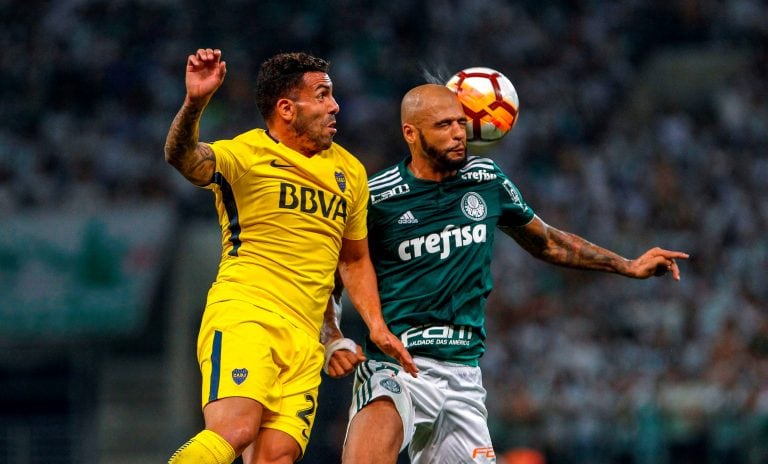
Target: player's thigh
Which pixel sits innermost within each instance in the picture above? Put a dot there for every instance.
(460, 434)
(236, 353)
(375, 381)
(301, 361)
(375, 433)
(456, 438)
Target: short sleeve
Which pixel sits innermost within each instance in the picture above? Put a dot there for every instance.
(356, 227)
(515, 212)
(228, 163)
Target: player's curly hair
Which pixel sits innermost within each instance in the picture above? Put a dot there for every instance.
(281, 75)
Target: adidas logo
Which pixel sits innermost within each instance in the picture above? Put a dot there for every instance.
(407, 218)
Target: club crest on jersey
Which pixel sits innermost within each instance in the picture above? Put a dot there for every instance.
(390, 385)
(239, 375)
(341, 180)
(473, 206)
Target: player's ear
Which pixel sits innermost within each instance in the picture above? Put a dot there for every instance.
(285, 109)
(409, 133)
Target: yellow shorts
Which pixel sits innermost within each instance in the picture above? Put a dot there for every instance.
(247, 351)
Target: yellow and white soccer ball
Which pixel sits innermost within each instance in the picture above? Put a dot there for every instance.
(490, 102)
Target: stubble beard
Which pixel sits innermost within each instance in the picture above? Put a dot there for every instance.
(312, 130)
(439, 159)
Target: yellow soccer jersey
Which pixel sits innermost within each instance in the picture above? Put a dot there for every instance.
(282, 218)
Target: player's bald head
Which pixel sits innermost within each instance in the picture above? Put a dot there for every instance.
(423, 98)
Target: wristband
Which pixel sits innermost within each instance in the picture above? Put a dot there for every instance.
(334, 346)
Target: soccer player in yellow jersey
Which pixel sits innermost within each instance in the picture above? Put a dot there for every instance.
(292, 208)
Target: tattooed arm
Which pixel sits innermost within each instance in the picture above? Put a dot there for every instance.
(566, 249)
(195, 160)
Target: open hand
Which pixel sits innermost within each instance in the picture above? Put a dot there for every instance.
(393, 347)
(205, 74)
(656, 262)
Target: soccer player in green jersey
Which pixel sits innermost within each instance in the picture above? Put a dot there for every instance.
(292, 208)
(431, 221)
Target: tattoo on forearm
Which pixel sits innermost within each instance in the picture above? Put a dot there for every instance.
(565, 249)
(573, 251)
(182, 136)
(182, 150)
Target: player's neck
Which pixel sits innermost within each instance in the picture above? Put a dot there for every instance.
(290, 140)
(421, 169)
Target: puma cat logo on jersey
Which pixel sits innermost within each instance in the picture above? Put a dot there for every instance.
(450, 238)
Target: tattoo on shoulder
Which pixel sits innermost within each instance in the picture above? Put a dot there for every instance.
(202, 169)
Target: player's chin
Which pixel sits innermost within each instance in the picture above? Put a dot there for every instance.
(323, 143)
(456, 157)
(458, 150)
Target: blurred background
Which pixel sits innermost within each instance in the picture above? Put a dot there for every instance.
(642, 123)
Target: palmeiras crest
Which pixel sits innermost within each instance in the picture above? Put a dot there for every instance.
(390, 385)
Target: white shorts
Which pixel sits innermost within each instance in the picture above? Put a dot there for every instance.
(443, 409)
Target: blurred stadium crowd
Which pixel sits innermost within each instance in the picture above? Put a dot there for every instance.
(642, 123)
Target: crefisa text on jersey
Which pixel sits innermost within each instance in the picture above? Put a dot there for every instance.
(481, 175)
(451, 237)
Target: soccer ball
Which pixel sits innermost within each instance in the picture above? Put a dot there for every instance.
(490, 103)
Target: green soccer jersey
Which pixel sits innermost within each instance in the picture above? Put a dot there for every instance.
(431, 244)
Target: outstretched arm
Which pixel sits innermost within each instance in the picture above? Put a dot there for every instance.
(359, 278)
(566, 249)
(194, 160)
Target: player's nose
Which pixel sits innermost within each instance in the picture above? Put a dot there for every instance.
(334, 107)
